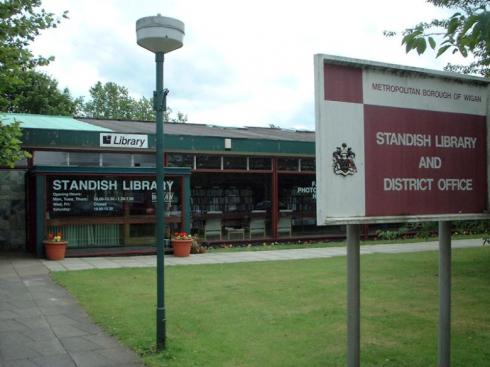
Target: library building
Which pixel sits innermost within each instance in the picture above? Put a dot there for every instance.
(94, 181)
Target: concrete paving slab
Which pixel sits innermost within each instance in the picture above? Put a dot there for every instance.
(39, 334)
(103, 341)
(78, 344)
(47, 347)
(118, 357)
(63, 331)
(53, 265)
(12, 337)
(59, 360)
(13, 351)
(90, 359)
(38, 318)
(19, 363)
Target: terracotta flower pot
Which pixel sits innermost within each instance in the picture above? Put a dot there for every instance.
(55, 250)
(182, 248)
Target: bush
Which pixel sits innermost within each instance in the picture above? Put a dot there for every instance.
(196, 247)
(471, 227)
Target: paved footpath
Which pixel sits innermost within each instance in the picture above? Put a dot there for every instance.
(245, 256)
(42, 325)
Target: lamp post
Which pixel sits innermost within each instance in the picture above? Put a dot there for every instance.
(160, 35)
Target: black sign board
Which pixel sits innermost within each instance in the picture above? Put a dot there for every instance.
(73, 196)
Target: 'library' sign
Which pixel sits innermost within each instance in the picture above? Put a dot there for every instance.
(419, 137)
(113, 140)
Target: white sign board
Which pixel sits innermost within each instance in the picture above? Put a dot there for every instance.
(131, 141)
(395, 143)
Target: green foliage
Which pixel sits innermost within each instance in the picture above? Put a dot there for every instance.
(410, 230)
(391, 234)
(109, 101)
(20, 23)
(10, 144)
(425, 230)
(466, 227)
(466, 32)
(144, 110)
(38, 93)
(21, 88)
(112, 101)
(387, 235)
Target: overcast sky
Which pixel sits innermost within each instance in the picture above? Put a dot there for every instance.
(244, 62)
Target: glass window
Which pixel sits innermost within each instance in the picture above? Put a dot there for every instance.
(85, 159)
(235, 162)
(208, 161)
(116, 160)
(144, 160)
(143, 201)
(240, 202)
(287, 164)
(307, 164)
(297, 205)
(90, 235)
(142, 230)
(259, 163)
(180, 160)
(42, 158)
(21, 163)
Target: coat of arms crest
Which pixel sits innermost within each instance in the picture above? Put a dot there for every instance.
(343, 161)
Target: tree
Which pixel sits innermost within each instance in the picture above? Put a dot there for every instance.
(112, 101)
(466, 32)
(10, 144)
(144, 110)
(20, 23)
(38, 93)
(109, 101)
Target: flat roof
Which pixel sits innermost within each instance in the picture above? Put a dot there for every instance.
(46, 122)
(179, 128)
(30, 121)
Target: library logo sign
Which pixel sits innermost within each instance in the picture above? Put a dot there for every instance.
(112, 140)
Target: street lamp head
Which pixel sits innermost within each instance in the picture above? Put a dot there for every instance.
(159, 34)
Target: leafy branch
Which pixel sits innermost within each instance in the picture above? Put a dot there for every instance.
(10, 144)
(466, 32)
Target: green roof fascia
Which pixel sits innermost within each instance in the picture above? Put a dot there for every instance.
(28, 121)
(58, 139)
(171, 171)
(238, 145)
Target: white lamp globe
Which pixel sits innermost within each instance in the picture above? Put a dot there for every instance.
(159, 34)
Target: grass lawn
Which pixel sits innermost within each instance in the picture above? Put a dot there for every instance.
(292, 313)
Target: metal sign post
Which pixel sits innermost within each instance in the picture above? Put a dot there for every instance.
(353, 296)
(444, 345)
